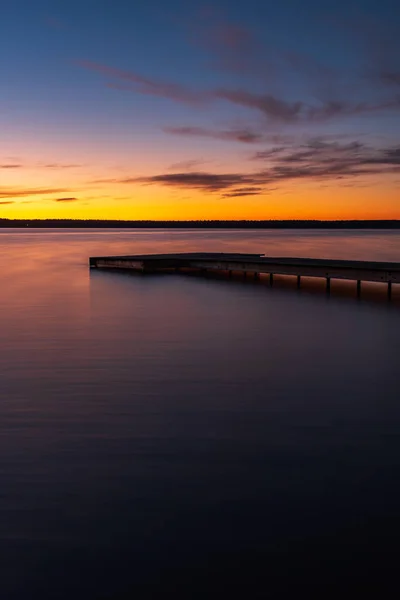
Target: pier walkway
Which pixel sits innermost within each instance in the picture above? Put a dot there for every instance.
(256, 264)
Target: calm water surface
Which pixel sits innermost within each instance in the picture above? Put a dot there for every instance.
(194, 437)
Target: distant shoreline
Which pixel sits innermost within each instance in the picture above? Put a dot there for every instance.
(273, 224)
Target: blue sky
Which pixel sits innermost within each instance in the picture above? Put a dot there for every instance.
(179, 80)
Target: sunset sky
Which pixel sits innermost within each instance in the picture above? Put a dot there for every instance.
(175, 109)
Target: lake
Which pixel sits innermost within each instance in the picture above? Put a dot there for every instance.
(193, 436)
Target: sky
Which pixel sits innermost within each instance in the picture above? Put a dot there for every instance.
(175, 109)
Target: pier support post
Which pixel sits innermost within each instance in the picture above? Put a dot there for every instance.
(328, 285)
(271, 279)
(358, 288)
(230, 274)
(298, 281)
(256, 275)
(389, 290)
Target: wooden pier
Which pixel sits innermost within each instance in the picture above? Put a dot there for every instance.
(256, 264)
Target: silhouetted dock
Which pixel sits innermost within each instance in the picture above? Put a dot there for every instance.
(256, 264)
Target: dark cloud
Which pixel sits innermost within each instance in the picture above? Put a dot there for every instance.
(8, 202)
(282, 111)
(390, 78)
(234, 184)
(21, 192)
(275, 109)
(11, 166)
(144, 85)
(239, 194)
(393, 154)
(314, 161)
(320, 159)
(66, 199)
(332, 88)
(269, 154)
(249, 191)
(211, 182)
(245, 136)
(186, 165)
(323, 152)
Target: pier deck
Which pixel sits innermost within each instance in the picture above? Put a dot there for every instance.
(256, 264)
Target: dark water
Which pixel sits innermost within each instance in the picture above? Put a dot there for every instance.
(197, 438)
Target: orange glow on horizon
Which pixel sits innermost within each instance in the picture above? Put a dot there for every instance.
(77, 193)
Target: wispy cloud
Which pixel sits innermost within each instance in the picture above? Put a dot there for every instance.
(245, 136)
(8, 202)
(186, 165)
(390, 78)
(329, 160)
(145, 85)
(316, 160)
(21, 192)
(321, 152)
(282, 111)
(249, 191)
(60, 166)
(27, 165)
(272, 107)
(201, 180)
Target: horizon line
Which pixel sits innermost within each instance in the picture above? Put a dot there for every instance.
(57, 219)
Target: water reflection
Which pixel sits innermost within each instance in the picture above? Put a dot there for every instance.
(191, 435)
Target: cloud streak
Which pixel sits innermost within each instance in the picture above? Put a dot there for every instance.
(249, 191)
(245, 136)
(315, 160)
(201, 180)
(186, 165)
(390, 78)
(144, 85)
(61, 166)
(273, 108)
(21, 192)
(23, 165)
